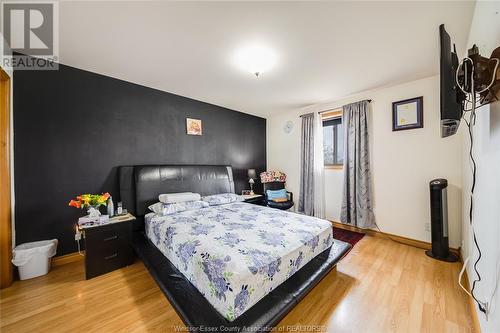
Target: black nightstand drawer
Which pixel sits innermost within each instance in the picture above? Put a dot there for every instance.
(116, 238)
(107, 261)
(107, 247)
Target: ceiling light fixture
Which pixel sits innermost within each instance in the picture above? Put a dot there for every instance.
(255, 59)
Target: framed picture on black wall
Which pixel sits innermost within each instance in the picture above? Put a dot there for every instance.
(408, 114)
(193, 126)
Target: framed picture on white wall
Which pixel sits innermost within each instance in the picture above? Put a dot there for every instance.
(408, 114)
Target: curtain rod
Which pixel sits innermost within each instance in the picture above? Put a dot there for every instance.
(320, 112)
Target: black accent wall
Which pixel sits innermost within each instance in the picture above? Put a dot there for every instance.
(73, 128)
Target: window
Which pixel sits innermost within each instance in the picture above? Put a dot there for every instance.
(333, 141)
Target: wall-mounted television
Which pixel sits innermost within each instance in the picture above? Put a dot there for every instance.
(452, 98)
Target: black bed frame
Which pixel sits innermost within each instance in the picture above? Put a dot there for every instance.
(140, 187)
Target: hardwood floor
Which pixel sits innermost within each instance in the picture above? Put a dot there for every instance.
(381, 286)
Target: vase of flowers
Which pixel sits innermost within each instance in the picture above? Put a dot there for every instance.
(90, 202)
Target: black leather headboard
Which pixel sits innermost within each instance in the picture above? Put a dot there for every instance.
(140, 185)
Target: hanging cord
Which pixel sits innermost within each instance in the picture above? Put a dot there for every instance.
(466, 261)
(78, 237)
(466, 78)
(79, 250)
(470, 125)
(492, 77)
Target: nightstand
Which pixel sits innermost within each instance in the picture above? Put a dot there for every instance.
(257, 199)
(108, 246)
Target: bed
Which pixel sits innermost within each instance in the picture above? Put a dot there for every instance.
(228, 266)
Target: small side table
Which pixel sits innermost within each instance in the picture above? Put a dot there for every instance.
(108, 246)
(256, 199)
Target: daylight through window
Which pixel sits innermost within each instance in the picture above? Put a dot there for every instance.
(333, 141)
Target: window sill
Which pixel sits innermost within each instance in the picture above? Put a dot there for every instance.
(334, 167)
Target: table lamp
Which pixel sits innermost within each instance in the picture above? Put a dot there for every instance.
(251, 175)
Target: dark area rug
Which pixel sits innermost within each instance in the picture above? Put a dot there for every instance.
(351, 237)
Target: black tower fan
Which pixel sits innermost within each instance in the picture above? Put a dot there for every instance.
(439, 222)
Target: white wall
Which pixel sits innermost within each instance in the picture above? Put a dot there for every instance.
(402, 162)
(485, 32)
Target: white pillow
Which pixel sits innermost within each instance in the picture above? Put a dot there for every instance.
(221, 199)
(161, 208)
(179, 197)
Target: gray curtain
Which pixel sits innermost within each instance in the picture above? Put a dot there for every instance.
(306, 194)
(357, 197)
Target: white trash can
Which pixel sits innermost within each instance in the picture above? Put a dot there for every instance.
(33, 259)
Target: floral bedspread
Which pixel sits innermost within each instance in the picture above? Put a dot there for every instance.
(235, 254)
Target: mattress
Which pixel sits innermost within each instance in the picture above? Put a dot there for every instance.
(237, 253)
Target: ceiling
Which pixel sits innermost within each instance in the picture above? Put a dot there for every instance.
(325, 50)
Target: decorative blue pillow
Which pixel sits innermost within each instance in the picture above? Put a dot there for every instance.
(161, 208)
(221, 199)
(276, 194)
